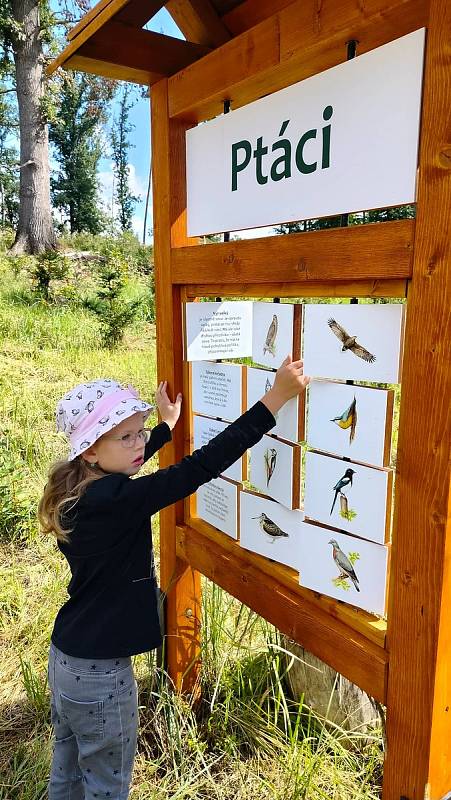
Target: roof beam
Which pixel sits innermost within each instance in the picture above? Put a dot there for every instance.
(199, 21)
(250, 13)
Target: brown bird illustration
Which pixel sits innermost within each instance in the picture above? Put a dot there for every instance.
(269, 527)
(349, 342)
(343, 563)
(270, 342)
(270, 457)
(348, 420)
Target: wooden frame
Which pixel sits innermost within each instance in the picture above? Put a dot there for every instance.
(405, 664)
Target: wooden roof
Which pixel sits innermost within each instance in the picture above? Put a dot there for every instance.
(110, 39)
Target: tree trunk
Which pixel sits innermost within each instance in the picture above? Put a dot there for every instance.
(35, 232)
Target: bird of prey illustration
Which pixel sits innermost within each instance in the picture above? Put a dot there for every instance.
(343, 563)
(345, 480)
(348, 420)
(349, 342)
(270, 342)
(270, 457)
(270, 528)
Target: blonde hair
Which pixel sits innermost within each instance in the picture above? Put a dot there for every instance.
(67, 480)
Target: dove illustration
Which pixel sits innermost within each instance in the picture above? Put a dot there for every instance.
(343, 563)
(349, 342)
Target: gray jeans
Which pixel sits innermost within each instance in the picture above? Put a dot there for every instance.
(94, 708)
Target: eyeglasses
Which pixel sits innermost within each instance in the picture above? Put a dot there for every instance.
(130, 439)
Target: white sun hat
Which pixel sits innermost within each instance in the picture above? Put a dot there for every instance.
(91, 409)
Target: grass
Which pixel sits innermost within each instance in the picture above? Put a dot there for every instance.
(247, 737)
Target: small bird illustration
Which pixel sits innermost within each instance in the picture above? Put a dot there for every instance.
(349, 342)
(269, 527)
(348, 420)
(345, 480)
(270, 342)
(270, 457)
(343, 563)
(268, 385)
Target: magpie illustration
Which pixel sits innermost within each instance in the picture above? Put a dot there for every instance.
(345, 480)
(270, 457)
(269, 527)
(270, 342)
(348, 420)
(349, 342)
(343, 563)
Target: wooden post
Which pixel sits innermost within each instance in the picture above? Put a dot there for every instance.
(418, 763)
(180, 583)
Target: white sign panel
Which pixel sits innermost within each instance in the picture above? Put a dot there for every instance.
(343, 567)
(206, 429)
(272, 333)
(275, 469)
(288, 424)
(353, 342)
(343, 140)
(217, 503)
(218, 330)
(217, 389)
(270, 529)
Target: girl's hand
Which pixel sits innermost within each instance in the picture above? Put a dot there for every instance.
(169, 412)
(289, 382)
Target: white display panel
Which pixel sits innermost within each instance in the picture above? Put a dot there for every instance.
(205, 429)
(217, 389)
(350, 421)
(370, 335)
(217, 503)
(275, 470)
(357, 563)
(269, 529)
(272, 333)
(289, 420)
(218, 330)
(360, 507)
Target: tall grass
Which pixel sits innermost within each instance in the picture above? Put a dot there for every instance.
(246, 738)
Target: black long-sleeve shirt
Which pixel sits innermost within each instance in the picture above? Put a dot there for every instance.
(112, 608)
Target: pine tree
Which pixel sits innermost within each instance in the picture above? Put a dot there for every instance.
(121, 128)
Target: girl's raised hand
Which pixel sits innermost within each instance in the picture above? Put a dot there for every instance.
(169, 411)
(289, 382)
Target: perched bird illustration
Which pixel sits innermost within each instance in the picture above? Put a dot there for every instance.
(343, 563)
(348, 420)
(270, 342)
(270, 457)
(349, 342)
(270, 528)
(268, 385)
(345, 480)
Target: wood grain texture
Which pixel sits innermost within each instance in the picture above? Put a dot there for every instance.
(250, 13)
(199, 21)
(180, 583)
(418, 760)
(236, 570)
(301, 40)
(359, 252)
(302, 289)
(109, 70)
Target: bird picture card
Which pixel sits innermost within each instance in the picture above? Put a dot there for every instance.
(270, 529)
(218, 330)
(275, 470)
(204, 429)
(217, 504)
(217, 389)
(350, 421)
(291, 417)
(353, 342)
(343, 567)
(349, 496)
(276, 333)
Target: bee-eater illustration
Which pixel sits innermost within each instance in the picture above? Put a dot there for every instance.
(270, 342)
(348, 420)
(270, 457)
(343, 563)
(349, 342)
(345, 480)
(269, 527)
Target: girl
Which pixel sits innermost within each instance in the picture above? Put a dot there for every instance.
(101, 521)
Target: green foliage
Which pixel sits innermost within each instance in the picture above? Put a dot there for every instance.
(17, 510)
(48, 266)
(349, 514)
(359, 218)
(120, 143)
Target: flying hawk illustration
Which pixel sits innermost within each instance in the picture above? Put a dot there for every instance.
(345, 480)
(270, 342)
(270, 457)
(270, 528)
(343, 563)
(348, 420)
(349, 342)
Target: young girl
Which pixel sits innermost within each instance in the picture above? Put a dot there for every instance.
(101, 521)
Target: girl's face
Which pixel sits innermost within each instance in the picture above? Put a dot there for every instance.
(122, 449)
